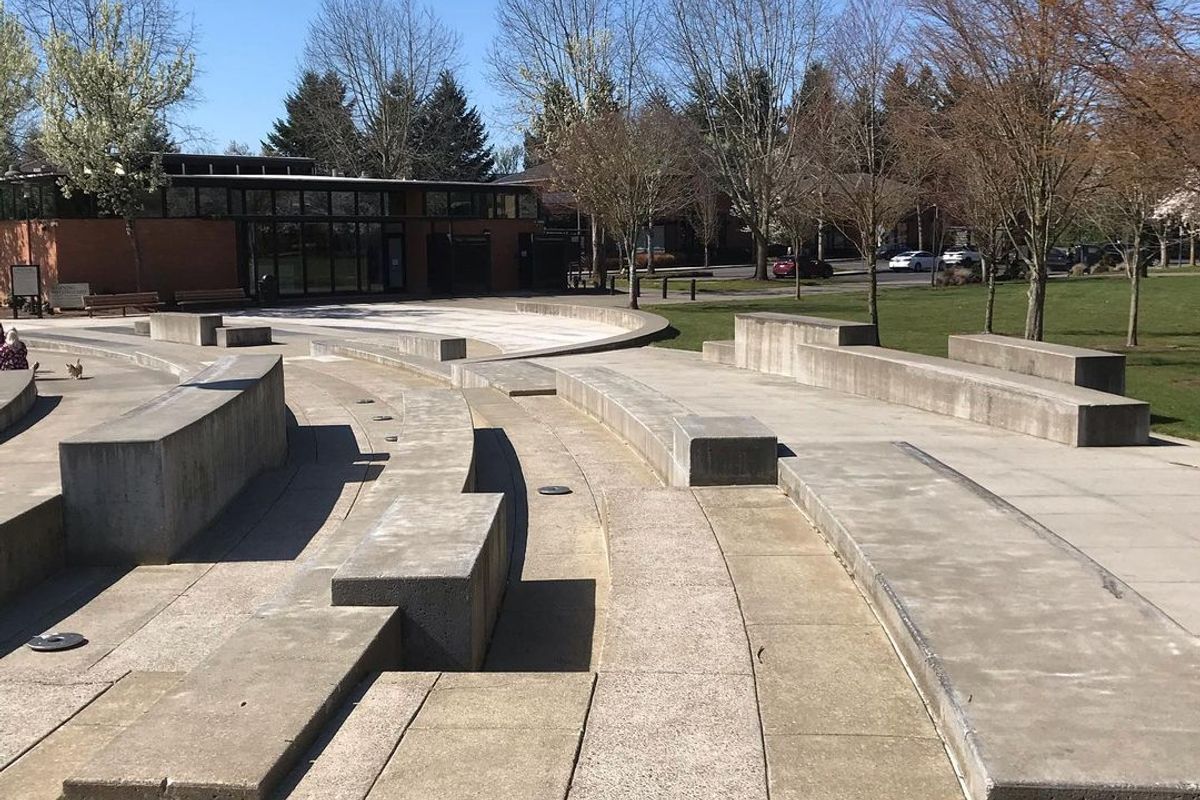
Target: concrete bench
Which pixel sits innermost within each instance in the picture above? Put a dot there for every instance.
(681, 447)
(765, 341)
(138, 488)
(141, 327)
(433, 346)
(243, 337)
(1047, 676)
(720, 352)
(196, 298)
(32, 547)
(1021, 403)
(513, 378)
(383, 355)
(18, 393)
(1078, 366)
(443, 561)
(176, 326)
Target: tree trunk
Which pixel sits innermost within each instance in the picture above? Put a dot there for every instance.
(1035, 312)
(137, 254)
(706, 255)
(1135, 292)
(868, 250)
(989, 275)
(650, 251)
(797, 276)
(599, 270)
(1192, 250)
(920, 228)
(1164, 257)
(821, 240)
(760, 256)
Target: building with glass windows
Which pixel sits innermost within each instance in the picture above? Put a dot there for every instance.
(228, 221)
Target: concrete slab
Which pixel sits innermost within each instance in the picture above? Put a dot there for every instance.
(724, 451)
(1078, 366)
(383, 355)
(432, 346)
(859, 768)
(176, 326)
(18, 393)
(766, 342)
(513, 378)
(243, 336)
(722, 352)
(499, 700)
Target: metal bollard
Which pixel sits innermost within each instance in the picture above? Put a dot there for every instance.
(612, 284)
(693, 288)
(664, 289)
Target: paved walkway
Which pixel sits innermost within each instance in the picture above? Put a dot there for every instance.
(1131, 509)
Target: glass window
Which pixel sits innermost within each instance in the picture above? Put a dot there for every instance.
(436, 204)
(462, 204)
(287, 203)
(152, 206)
(506, 205)
(316, 203)
(345, 257)
(527, 206)
(236, 202)
(213, 202)
(258, 202)
(317, 265)
(397, 204)
(370, 248)
(343, 204)
(262, 247)
(369, 204)
(290, 267)
(181, 201)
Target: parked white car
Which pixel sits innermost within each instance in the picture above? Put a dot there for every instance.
(961, 257)
(915, 260)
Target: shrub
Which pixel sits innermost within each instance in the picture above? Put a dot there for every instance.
(1078, 270)
(660, 259)
(1099, 268)
(957, 276)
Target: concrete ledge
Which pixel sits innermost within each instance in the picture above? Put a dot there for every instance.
(641, 327)
(1021, 403)
(432, 346)
(722, 352)
(724, 451)
(382, 355)
(436, 451)
(138, 488)
(18, 393)
(235, 725)
(32, 546)
(443, 561)
(79, 346)
(141, 327)
(1048, 677)
(766, 342)
(513, 378)
(681, 453)
(176, 326)
(243, 337)
(1078, 366)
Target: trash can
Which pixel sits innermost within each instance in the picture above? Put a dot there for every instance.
(268, 290)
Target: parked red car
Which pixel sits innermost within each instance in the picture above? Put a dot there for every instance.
(786, 266)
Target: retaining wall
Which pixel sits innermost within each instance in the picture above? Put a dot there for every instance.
(18, 393)
(31, 546)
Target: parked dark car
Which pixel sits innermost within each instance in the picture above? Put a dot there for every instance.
(786, 266)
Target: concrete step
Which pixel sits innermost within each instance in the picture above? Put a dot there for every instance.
(513, 378)
(490, 735)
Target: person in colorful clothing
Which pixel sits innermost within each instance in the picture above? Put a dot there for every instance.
(13, 353)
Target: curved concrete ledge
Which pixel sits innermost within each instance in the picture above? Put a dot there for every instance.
(436, 451)
(641, 328)
(1077, 366)
(382, 355)
(18, 393)
(79, 346)
(1048, 677)
(684, 449)
(31, 546)
(138, 488)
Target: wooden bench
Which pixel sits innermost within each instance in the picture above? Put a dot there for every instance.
(140, 300)
(186, 298)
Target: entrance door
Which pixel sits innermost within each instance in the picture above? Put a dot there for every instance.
(396, 277)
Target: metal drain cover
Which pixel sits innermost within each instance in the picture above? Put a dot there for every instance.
(392, 438)
(554, 490)
(381, 417)
(50, 642)
(364, 402)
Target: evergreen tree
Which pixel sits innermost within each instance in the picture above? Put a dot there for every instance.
(318, 124)
(449, 140)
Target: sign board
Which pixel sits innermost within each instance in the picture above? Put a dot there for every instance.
(69, 295)
(26, 280)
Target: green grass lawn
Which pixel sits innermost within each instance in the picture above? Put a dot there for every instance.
(1164, 370)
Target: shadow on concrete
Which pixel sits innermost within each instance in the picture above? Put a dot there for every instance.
(543, 626)
(41, 608)
(42, 407)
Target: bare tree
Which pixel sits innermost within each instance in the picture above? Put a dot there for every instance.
(631, 169)
(867, 191)
(508, 159)
(389, 54)
(1021, 70)
(742, 65)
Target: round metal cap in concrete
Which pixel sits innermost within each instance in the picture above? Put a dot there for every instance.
(391, 438)
(381, 417)
(50, 642)
(364, 402)
(554, 490)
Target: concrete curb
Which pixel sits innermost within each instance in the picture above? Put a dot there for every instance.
(642, 328)
(18, 393)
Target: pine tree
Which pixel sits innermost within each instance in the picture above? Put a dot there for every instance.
(449, 140)
(318, 124)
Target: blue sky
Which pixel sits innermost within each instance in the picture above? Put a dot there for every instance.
(249, 54)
